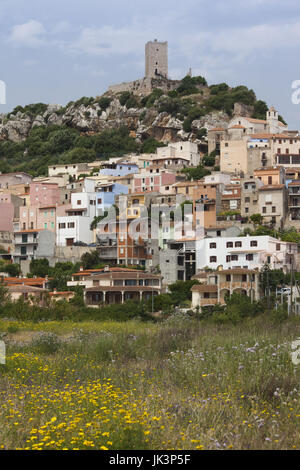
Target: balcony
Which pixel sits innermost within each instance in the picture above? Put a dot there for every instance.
(108, 252)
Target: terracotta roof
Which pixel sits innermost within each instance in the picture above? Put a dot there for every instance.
(62, 293)
(188, 183)
(231, 196)
(25, 289)
(294, 183)
(257, 121)
(236, 271)
(272, 136)
(268, 168)
(199, 275)
(216, 129)
(204, 288)
(29, 231)
(292, 169)
(122, 288)
(126, 275)
(95, 271)
(21, 280)
(271, 187)
(237, 126)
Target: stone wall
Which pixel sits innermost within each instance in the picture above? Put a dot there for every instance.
(145, 86)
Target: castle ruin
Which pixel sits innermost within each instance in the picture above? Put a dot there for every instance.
(156, 72)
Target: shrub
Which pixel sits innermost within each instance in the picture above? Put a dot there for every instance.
(124, 97)
(46, 343)
(104, 103)
(280, 314)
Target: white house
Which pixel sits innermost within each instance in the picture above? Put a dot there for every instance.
(245, 252)
(187, 150)
(75, 226)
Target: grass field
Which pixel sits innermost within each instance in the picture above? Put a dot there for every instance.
(179, 384)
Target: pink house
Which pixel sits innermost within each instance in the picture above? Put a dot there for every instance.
(44, 194)
(160, 181)
(9, 209)
(41, 217)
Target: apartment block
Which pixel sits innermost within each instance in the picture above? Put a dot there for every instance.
(248, 252)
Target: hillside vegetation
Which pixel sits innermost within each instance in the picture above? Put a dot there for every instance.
(38, 135)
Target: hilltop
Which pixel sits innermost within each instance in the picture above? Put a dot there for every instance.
(34, 136)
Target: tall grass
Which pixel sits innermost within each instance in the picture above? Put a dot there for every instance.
(180, 384)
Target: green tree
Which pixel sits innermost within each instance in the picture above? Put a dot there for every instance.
(13, 270)
(40, 267)
(90, 259)
(181, 291)
(195, 173)
(256, 219)
(150, 145)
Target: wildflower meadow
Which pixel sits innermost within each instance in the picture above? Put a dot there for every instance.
(177, 384)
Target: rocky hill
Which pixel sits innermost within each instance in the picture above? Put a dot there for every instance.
(181, 114)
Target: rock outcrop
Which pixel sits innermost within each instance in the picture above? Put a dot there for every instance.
(91, 118)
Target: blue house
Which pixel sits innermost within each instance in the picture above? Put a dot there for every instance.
(106, 193)
(119, 169)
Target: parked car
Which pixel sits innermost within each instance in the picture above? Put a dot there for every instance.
(284, 290)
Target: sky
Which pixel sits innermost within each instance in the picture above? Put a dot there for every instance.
(60, 50)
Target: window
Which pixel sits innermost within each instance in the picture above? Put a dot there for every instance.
(45, 225)
(228, 259)
(238, 244)
(228, 277)
(130, 282)
(244, 277)
(71, 224)
(79, 202)
(213, 259)
(273, 208)
(253, 243)
(247, 200)
(212, 245)
(249, 257)
(62, 225)
(229, 245)
(234, 257)
(246, 210)
(264, 209)
(218, 233)
(277, 246)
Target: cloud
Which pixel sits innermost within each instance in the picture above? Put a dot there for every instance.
(109, 40)
(30, 34)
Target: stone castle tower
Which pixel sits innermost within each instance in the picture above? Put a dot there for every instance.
(156, 59)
